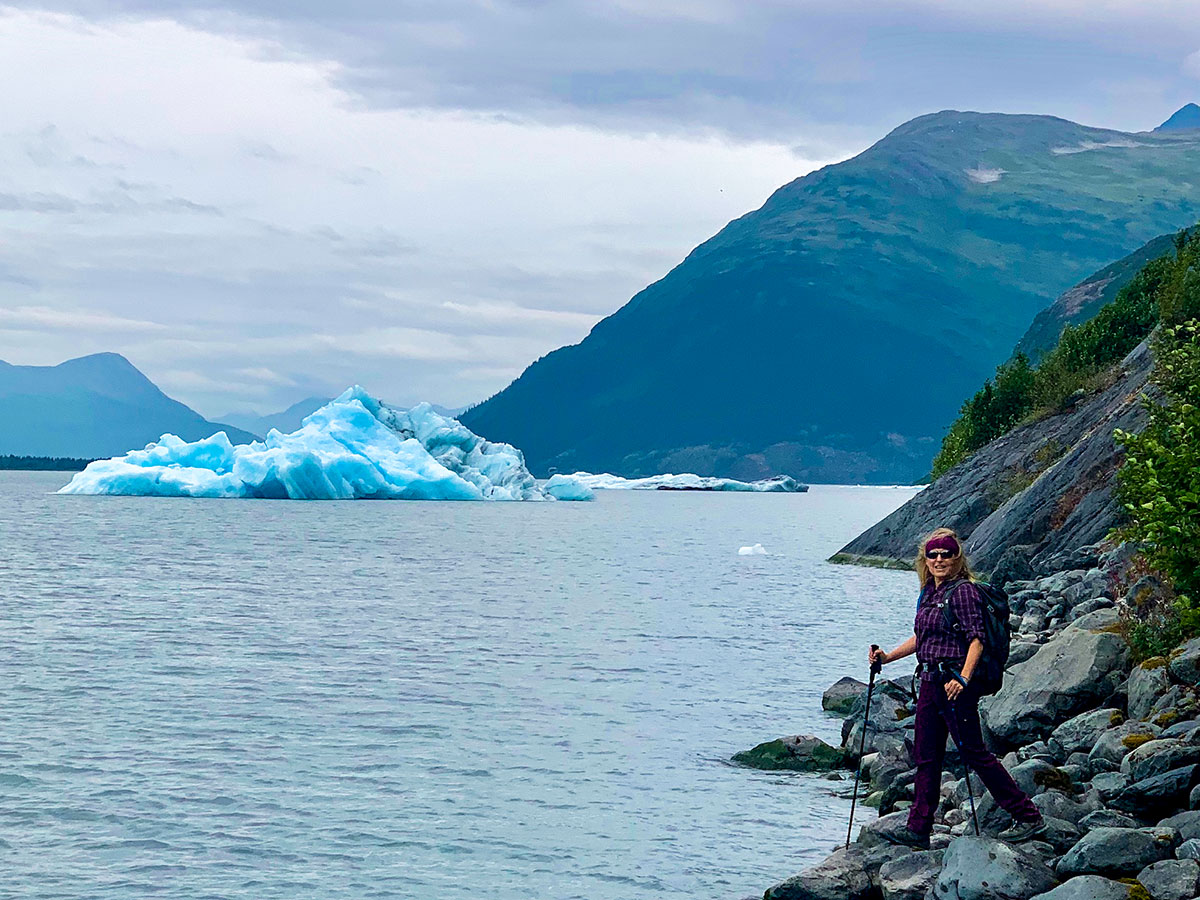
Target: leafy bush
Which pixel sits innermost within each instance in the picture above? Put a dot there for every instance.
(1159, 480)
(1167, 287)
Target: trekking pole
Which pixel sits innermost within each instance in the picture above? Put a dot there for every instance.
(876, 665)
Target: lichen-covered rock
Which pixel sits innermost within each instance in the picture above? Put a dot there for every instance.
(840, 696)
(1117, 851)
(1159, 795)
(910, 876)
(1171, 879)
(798, 753)
(1087, 887)
(983, 868)
(1115, 743)
(1146, 683)
(1075, 670)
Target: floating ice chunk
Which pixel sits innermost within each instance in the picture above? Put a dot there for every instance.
(779, 484)
(756, 550)
(352, 448)
(568, 487)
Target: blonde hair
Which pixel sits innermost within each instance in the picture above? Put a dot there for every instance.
(922, 566)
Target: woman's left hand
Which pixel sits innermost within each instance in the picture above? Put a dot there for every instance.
(953, 689)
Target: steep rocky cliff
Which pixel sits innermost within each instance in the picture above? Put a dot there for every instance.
(1043, 489)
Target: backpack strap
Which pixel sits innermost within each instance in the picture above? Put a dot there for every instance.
(948, 611)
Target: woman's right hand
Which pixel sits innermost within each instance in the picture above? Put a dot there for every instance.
(876, 655)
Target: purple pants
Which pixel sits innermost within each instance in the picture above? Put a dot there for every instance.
(936, 714)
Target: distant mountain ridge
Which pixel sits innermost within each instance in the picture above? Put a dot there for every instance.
(94, 406)
(832, 334)
(285, 421)
(1186, 118)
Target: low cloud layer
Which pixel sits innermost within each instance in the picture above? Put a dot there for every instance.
(258, 201)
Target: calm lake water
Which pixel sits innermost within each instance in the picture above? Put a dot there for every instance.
(261, 699)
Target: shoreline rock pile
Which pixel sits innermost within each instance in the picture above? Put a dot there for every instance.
(1109, 752)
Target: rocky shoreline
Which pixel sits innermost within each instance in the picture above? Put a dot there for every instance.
(1108, 750)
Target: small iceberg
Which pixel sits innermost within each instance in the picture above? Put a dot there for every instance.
(756, 550)
(353, 448)
(783, 484)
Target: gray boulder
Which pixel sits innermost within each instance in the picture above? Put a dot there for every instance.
(1171, 879)
(1160, 795)
(886, 729)
(1087, 887)
(1189, 849)
(1115, 743)
(911, 876)
(1117, 851)
(1159, 756)
(875, 833)
(983, 868)
(1089, 606)
(1075, 670)
(1059, 834)
(840, 696)
(1109, 784)
(1058, 805)
(1187, 824)
(1079, 733)
(1106, 818)
(1185, 663)
(844, 875)
(1145, 686)
(1020, 651)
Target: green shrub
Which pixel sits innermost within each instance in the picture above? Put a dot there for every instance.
(1159, 480)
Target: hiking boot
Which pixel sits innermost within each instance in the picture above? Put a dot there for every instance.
(1022, 831)
(906, 837)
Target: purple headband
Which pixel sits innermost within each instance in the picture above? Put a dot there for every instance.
(943, 542)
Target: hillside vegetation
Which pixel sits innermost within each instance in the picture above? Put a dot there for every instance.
(1081, 358)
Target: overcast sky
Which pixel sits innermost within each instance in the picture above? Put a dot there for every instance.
(258, 201)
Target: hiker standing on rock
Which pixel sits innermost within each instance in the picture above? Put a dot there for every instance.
(948, 639)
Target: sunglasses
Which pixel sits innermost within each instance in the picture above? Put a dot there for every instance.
(940, 554)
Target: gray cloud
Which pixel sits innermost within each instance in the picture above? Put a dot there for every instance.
(831, 75)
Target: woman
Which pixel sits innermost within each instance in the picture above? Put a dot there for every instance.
(948, 648)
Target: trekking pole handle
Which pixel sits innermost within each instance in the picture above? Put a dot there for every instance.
(876, 665)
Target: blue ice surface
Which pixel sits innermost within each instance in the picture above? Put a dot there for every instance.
(353, 448)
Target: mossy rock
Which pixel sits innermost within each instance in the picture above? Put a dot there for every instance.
(1137, 892)
(799, 753)
(1155, 662)
(1133, 741)
(1170, 717)
(1116, 719)
(1054, 778)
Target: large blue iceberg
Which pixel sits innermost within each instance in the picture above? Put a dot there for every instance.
(353, 448)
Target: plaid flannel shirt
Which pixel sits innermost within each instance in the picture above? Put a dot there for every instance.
(935, 639)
